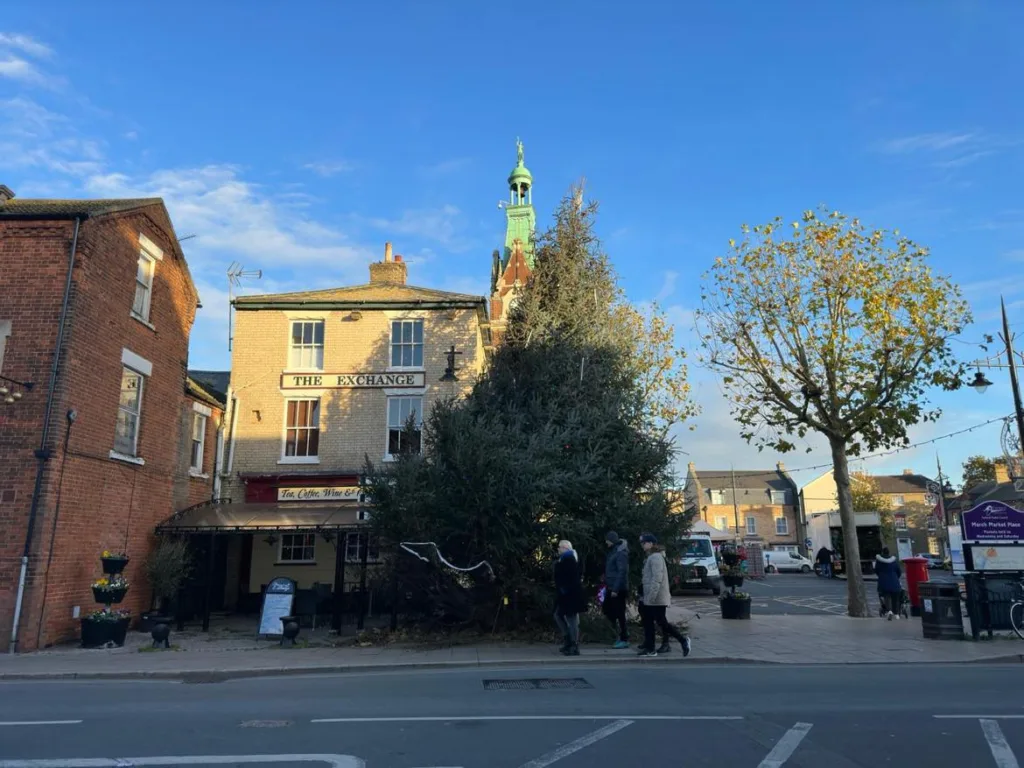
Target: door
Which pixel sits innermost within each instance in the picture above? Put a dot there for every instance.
(904, 547)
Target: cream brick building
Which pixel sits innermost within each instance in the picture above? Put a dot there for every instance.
(320, 381)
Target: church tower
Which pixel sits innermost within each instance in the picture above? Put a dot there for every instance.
(513, 265)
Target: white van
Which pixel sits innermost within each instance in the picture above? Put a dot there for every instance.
(777, 561)
(699, 554)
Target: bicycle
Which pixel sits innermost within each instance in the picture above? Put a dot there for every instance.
(1017, 611)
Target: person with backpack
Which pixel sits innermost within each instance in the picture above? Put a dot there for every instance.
(656, 599)
(888, 571)
(569, 600)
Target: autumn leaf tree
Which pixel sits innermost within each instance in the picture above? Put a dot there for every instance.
(978, 469)
(825, 326)
(865, 496)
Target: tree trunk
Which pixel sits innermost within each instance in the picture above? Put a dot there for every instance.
(857, 604)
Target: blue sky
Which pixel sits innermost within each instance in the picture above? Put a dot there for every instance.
(297, 138)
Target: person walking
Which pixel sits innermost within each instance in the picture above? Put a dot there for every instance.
(616, 580)
(889, 588)
(824, 559)
(569, 600)
(656, 599)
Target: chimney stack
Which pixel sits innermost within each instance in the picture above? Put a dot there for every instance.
(907, 472)
(6, 193)
(1002, 472)
(780, 466)
(392, 270)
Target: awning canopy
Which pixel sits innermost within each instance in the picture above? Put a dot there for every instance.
(235, 517)
(700, 526)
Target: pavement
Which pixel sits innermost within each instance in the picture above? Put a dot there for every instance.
(813, 633)
(568, 716)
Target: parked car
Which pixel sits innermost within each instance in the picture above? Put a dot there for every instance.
(776, 561)
(934, 561)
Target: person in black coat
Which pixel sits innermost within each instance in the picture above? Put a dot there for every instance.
(569, 602)
(888, 571)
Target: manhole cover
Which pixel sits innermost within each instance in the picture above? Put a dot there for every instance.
(536, 683)
(266, 724)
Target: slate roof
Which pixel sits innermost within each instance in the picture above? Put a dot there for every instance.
(27, 208)
(746, 479)
(902, 483)
(195, 389)
(214, 382)
(369, 293)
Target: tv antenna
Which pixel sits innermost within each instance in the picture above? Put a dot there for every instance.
(236, 274)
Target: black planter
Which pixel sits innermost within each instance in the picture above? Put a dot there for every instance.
(161, 631)
(109, 596)
(98, 632)
(730, 558)
(735, 607)
(113, 565)
(290, 628)
(732, 580)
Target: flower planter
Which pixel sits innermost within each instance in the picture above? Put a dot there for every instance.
(98, 632)
(735, 607)
(109, 596)
(113, 565)
(731, 580)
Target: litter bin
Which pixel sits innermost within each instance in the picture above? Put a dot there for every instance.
(940, 611)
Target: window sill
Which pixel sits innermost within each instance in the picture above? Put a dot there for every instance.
(405, 369)
(290, 563)
(302, 372)
(197, 475)
(140, 319)
(299, 460)
(137, 460)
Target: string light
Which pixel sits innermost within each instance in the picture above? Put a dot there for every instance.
(854, 459)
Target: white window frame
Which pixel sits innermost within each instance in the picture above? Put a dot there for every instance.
(898, 500)
(900, 522)
(716, 497)
(776, 495)
(149, 254)
(357, 539)
(388, 427)
(199, 413)
(137, 413)
(784, 530)
(414, 345)
(285, 458)
(751, 525)
(725, 527)
(5, 331)
(308, 542)
(302, 348)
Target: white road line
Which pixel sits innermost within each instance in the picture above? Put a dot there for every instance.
(575, 746)
(978, 717)
(335, 761)
(1001, 751)
(786, 746)
(469, 718)
(38, 722)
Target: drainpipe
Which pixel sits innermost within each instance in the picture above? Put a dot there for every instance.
(234, 427)
(43, 453)
(218, 459)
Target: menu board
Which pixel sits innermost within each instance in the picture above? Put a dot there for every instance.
(277, 603)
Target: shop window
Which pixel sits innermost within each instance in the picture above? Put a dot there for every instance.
(297, 548)
(354, 543)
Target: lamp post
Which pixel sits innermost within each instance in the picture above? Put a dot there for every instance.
(10, 394)
(980, 384)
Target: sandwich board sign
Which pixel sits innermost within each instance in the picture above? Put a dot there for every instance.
(277, 603)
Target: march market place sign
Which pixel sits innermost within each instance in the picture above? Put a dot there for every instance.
(352, 380)
(992, 521)
(331, 493)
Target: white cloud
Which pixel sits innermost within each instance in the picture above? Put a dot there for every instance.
(15, 68)
(438, 224)
(25, 44)
(925, 142)
(444, 167)
(328, 168)
(668, 286)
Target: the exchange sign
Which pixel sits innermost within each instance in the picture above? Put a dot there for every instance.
(352, 380)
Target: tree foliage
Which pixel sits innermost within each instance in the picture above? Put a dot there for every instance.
(834, 329)
(559, 438)
(866, 497)
(978, 469)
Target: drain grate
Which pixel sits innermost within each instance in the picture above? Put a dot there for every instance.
(537, 684)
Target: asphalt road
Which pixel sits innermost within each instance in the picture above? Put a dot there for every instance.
(791, 594)
(665, 715)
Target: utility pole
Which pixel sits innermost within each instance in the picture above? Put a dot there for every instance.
(1018, 410)
(735, 502)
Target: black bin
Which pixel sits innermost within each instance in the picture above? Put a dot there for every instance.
(940, 611)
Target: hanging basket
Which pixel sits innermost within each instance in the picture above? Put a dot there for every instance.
(96, 633)
(109, 596)
(114, 565)
(732, 580)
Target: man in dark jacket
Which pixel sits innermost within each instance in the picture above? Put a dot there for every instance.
(569, 602)
(824, 559)
(616, 582)
(889, 588)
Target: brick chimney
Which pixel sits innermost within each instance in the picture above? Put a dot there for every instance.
(780, 466)
(1002, 472)
(6, 193)
(391, 270)
(908, 472)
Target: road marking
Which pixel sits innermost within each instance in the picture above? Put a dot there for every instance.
(470, 718)
(38, 722)
(335, 761)
(786, 746)
(978, 717)
(1001, 751)
(575, 746)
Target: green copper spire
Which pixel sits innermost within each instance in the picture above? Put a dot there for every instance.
(519, 215)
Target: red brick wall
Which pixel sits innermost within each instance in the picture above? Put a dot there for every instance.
(189, 489)
(104, 503)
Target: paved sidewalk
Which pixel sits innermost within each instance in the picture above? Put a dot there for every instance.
(816, 639)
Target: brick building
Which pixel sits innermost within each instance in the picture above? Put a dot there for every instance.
(321, 380)
(96, 306)
(754, 505)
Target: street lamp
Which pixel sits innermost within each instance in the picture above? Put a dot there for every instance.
(980, 383)
(10, 394)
